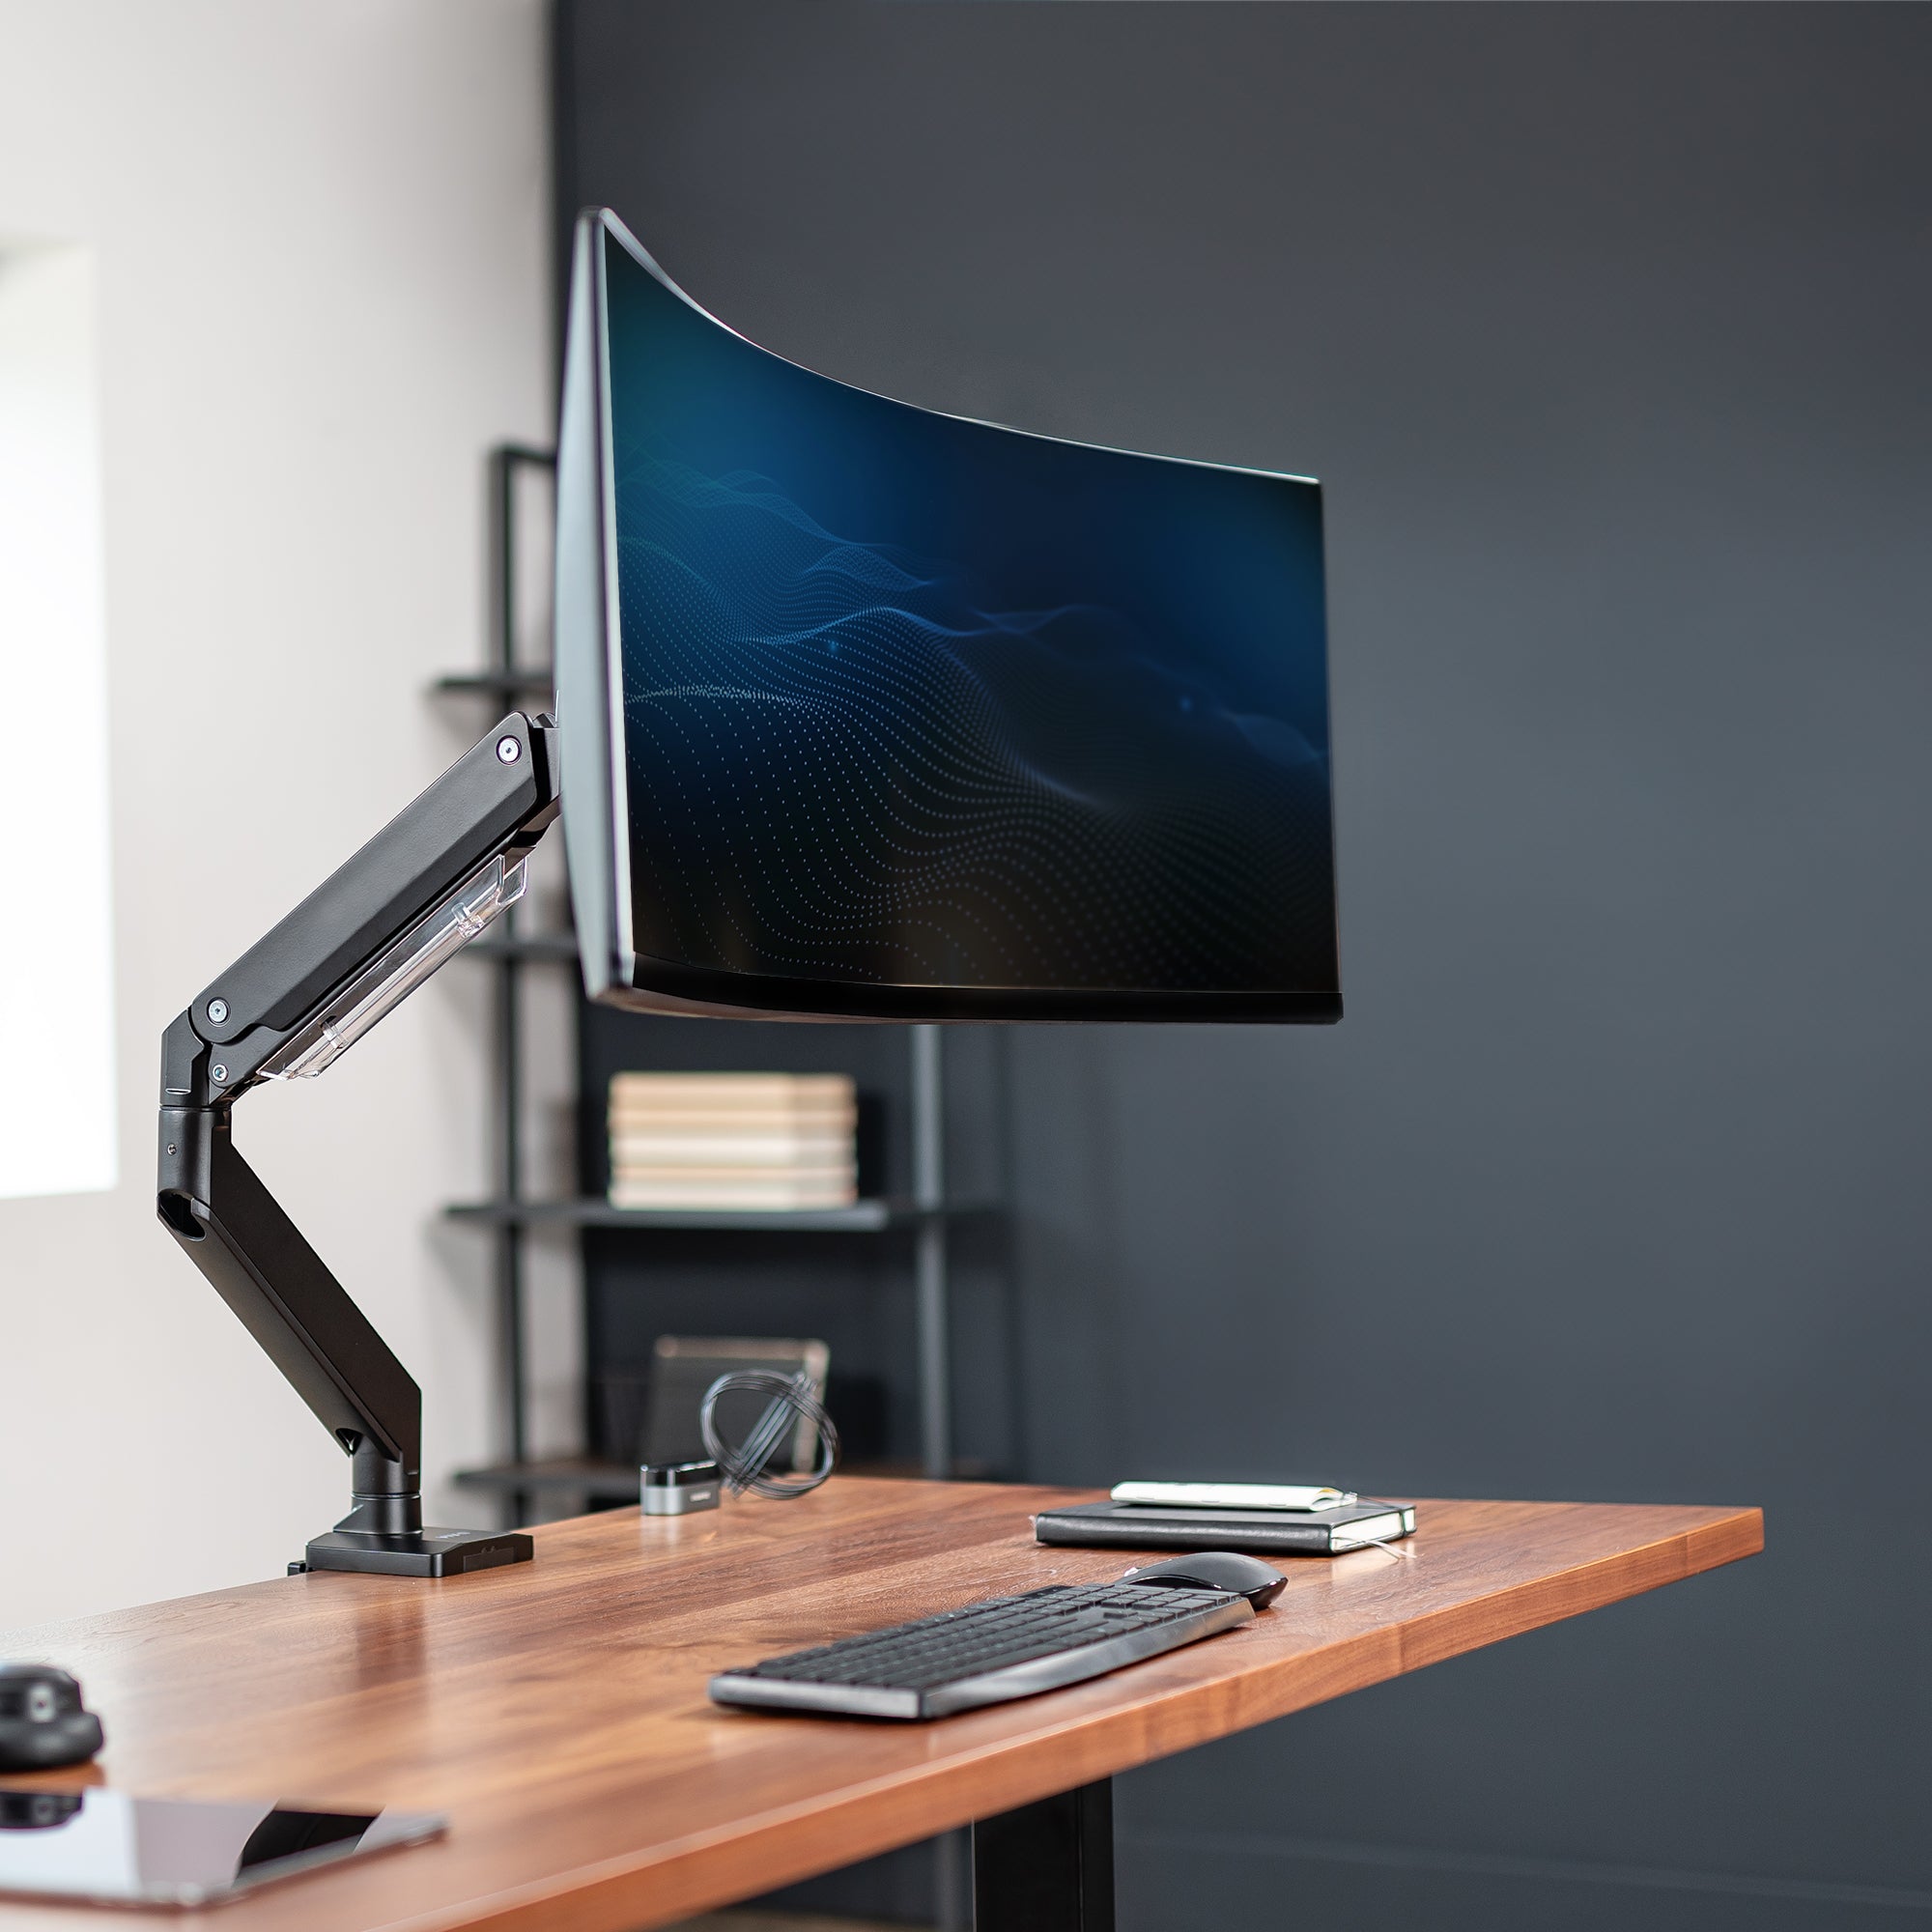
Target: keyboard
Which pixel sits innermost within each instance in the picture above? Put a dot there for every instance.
(986, 1653)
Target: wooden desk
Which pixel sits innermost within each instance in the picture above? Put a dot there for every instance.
(556, 1711)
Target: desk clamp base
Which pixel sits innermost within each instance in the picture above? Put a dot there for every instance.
(429, 1553)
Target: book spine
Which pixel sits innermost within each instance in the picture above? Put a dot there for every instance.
(770, 1150)
(652, 1176)
(697, 1196)
(766, 1118)
(1097, 1533)
(733, 1089)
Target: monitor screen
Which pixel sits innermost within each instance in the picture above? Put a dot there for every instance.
(906, 716)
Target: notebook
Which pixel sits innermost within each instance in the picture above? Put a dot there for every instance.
(1111, 1525)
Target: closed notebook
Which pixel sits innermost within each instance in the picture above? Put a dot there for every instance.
(1146, 1526)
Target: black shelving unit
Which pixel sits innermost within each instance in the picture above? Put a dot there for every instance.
(511, 1215)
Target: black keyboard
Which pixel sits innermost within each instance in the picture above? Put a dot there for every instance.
(1006, 1647)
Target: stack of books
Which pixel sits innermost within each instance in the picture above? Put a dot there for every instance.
(752, 1141)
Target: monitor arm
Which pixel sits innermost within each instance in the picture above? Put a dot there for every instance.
(367, 936)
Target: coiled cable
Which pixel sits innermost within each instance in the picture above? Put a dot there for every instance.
(792, 1399)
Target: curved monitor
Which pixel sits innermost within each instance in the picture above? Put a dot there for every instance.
(873, 713)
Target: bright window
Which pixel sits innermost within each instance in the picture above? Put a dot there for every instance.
(56, 955)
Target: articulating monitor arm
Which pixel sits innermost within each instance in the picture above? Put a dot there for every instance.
(371, 933)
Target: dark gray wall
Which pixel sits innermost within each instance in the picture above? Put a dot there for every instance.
(1606, 330)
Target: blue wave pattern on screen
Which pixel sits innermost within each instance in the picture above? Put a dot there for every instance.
(916, 701)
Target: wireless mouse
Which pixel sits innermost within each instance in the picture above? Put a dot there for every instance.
(42, 1721)
(1216, 1570)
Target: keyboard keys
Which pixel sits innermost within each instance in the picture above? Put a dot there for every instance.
(913, 1665)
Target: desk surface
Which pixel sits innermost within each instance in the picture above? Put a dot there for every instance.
(556, 1710)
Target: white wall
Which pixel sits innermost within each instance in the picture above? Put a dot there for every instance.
(319, 240)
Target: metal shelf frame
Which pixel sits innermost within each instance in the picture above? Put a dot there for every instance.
(504, 684)
(858, 1218)
(617, 1482)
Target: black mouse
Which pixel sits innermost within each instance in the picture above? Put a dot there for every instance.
(1216, 1570)
(42, 1721)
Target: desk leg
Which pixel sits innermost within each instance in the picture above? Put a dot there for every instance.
(1047, 1867)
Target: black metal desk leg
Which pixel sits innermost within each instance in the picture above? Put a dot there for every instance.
(1047, 1867)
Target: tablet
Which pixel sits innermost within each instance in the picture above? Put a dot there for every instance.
(117, 1849)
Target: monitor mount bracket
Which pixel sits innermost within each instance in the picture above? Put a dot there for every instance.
(373, 932)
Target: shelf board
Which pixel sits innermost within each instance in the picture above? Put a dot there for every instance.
(604, 1482)
(555, 949)
(537, 681)
(861, 1217)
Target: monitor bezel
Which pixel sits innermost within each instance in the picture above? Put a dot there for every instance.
(596, 817)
